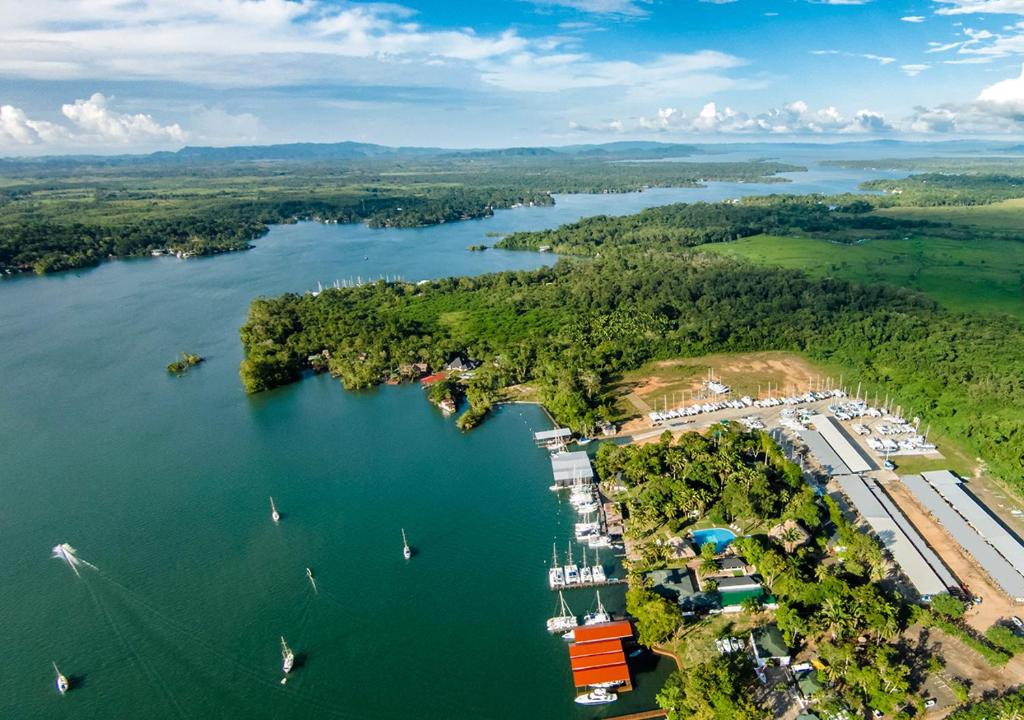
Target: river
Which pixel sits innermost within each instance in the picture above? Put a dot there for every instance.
(163, 483)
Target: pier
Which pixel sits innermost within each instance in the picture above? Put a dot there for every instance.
(591, 584)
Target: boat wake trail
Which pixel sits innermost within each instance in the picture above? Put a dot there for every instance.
(68, 554)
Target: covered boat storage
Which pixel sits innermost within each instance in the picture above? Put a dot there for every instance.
(823, 453)
(929, 490)
(558, 435)
(918, 562)
(851, 455)
(597, 656)
(570, 467)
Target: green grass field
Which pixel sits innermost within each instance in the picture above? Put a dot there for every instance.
(1006, 215)
(984, 275)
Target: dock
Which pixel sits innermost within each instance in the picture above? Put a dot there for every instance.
(581, 585)
(645, 715)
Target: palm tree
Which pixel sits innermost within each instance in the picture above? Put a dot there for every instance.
(790, 537)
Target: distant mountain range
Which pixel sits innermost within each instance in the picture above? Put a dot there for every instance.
(329, 152)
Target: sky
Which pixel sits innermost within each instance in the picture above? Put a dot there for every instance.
(102, 76)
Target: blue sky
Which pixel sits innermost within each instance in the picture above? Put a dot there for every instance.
(129, 75)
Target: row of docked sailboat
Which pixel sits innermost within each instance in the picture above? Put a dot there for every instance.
(571, 574)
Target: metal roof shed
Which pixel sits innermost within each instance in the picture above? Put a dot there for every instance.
(992, 562)
(568, 467)
(548, 435)
(835, 436)
(824, 453)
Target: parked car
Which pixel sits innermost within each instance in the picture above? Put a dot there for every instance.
(1017, 623)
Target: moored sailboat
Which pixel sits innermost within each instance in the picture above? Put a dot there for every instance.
(287, 659)
(572, 571)
(274, 514)
(598, 616)
(406, 550)
(61, 681)
(556, 575)
(586, 574)
(565, 620)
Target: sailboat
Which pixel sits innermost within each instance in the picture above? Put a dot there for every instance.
(597, 571)
(586, 574)
(598, 616)
(309, 574)
(287, 659)
(565, 620)
(274, 514)
(556, 576)
(406, 550)
(572, 571)
(61, 681)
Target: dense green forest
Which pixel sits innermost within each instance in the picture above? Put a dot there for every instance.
(68, 213)
(572, 329)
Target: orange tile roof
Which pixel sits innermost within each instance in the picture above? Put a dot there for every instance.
(604, 631)
(594, 661)
(592, 676)
(594, 648)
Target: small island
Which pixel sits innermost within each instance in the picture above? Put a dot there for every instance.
(184, 364)
(476, 248)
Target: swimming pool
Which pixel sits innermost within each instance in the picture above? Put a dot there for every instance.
(721, 537)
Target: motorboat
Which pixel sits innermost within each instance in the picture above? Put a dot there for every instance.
(61, 681)
(597, 696)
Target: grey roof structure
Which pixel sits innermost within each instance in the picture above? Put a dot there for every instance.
(743, 582)
(824, 453)
(1000, 570)
(949, 486)
(569, 467)
(898, 536)
(556, 434)
(846, 449)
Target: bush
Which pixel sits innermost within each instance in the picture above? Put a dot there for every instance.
(1005, 639)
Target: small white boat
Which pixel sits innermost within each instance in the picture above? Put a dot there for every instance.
(609, 684)
(274, 514)
(309, 574)
(598, 616)
(61, 681)
(287, 657)
(597, 696)
(406, 550)
(565, 620)
(587, 508)
(556, 575)
(599, 541)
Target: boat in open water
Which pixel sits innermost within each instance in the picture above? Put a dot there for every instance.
(61, 681)
(287, 660)
(274, 514)
(406, 550)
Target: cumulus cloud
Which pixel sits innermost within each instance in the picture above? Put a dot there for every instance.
(913, 18)
(967, 7)
(88, 122)
(914, 69)
(796, 118)
(1005, 92)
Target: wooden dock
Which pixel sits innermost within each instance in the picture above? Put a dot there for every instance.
(646, 715)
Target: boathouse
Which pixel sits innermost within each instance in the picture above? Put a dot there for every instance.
(570, 467)
(597, 656)
(558, 435)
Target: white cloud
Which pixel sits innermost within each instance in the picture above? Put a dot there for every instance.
(1005, 92)
(795, 118)
(966, 7)
(90, 122)
(880, 59)
(914, 69)
(633, 8)
(913, 18)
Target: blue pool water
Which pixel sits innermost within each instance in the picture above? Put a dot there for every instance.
(719, 536)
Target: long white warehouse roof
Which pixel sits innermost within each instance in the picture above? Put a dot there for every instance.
(978, 516)
(902, 541)
(833, 433)
(824, 453)
(1000, 570)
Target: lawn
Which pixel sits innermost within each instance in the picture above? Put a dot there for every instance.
(984, 275)
(1005, 215)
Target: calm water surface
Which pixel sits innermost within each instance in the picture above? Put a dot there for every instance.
(163, 482)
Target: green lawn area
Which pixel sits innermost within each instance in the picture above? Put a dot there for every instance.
(984, 275)
(1006, 215)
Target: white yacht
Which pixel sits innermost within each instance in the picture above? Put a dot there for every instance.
(556, 575)
(598, 616)
(586, 573)
(406, 550)
(61, 681)
(587, 508)
(597, 571)
(572, 571)
(287, 657)
(274, 514)
(597, 540)
(565, 620)
(597, 696)
(312, 581)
